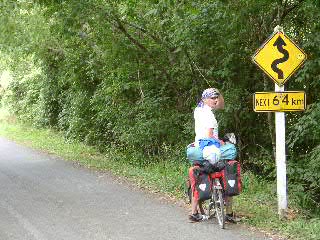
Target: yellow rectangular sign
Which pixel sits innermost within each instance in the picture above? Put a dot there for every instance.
(279, 101)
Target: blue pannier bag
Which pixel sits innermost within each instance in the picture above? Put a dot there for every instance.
(228, 151)
(194, 154)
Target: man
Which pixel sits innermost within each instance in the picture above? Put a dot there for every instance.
(206, 127)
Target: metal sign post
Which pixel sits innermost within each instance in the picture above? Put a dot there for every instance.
(281, 159)
(279, 57)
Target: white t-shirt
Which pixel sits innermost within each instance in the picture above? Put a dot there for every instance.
(204, 119)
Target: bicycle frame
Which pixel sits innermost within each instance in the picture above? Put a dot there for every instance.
(215, 177)
(217, 200)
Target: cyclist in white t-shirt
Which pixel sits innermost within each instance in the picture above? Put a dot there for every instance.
(206, 127)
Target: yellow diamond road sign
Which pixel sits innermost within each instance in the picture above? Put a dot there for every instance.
(279, 57)
(279, 101)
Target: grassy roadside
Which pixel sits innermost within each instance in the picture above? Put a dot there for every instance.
(256, 205)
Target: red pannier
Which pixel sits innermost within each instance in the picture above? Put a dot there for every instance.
(231, 178)
(204, 186)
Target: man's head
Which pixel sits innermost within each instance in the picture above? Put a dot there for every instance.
(211, 97)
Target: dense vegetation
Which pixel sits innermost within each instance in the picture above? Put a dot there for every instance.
(127, 74)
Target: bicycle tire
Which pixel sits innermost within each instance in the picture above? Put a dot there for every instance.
(219, 207)
(210, 209)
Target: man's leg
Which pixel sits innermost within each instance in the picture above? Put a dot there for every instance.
(201, 210)
(229, 205)
(194, 192)
(195, 216)
(229, 211)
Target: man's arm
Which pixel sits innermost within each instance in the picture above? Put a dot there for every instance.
(211, 135)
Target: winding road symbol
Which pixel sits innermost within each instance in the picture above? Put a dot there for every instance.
(279, 43)
(279, 57)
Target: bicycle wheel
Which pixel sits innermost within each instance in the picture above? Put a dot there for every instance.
(210, 210)
(219, 206)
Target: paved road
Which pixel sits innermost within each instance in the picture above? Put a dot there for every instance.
(45, 198)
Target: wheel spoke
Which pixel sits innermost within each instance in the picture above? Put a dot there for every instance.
(219, 206)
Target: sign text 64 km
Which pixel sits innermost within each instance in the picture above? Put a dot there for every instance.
(279, 101)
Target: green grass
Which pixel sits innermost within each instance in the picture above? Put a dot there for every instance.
(257, 205)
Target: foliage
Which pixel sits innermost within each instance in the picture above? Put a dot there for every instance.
(127, 74)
